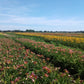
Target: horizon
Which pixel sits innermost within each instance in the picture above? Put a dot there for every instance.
(45, 15)
(31, 30)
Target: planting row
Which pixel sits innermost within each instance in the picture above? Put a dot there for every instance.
(1, 35)
(65, 58)
(22, 66)
(76, 42)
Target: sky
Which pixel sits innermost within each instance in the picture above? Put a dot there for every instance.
(41, 15)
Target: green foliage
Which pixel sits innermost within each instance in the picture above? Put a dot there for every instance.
(19, 65)
(66, 59)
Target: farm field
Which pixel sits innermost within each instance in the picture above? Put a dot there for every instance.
(41, 58)
(73, 40)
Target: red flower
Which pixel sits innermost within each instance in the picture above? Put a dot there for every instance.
(48, 59)
(47, 69)
(33, 76)
(19, 48)
(25, 62)
(35, 62)
(71, 51)
(46, 75)
(12, 82)
(17, 79)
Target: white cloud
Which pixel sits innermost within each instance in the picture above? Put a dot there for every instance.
(40, 23)
(10, 15)
(38, 20)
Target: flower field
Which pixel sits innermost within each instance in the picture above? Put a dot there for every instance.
(73, 40)
(26, 61)
(1, 33)
(66, 58)
(57, 37)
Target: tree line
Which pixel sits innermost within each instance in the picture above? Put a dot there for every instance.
(30, 30)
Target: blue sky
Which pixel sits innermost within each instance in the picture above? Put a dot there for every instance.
(51, 15)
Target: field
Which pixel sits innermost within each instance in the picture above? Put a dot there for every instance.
(41, 58)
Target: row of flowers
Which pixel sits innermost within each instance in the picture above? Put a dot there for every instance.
(58, 37)
(71, 40)
(55, 34)
(19, 65)
(70, 59)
